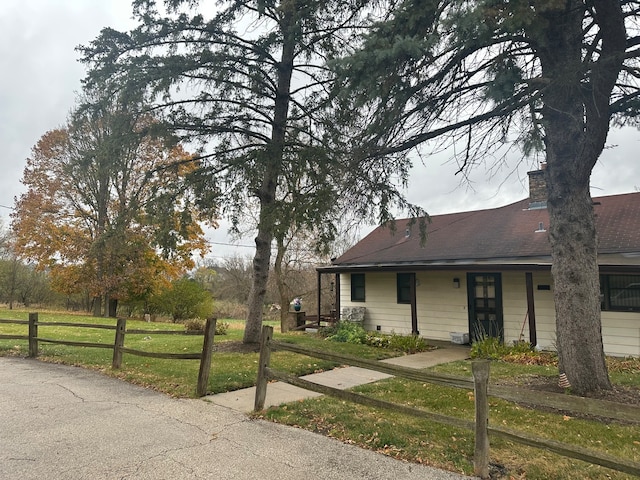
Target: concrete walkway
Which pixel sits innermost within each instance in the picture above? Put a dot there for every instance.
(341, 378)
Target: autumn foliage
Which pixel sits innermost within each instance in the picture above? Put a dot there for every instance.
(108, 210)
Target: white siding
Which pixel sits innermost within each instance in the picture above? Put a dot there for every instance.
(381, 304)
(514, 299)
(443, 309)
(621, 333)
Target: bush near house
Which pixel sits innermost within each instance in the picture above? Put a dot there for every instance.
(353, 332)
(494, 348)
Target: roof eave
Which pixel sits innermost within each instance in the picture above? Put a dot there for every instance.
(422, 266)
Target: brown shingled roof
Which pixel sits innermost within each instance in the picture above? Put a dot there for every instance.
(508, 232)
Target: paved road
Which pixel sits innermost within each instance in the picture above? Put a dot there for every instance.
(67, 423)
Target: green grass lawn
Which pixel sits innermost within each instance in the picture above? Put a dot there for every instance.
(421, 441)
(229, 371)
(394, 434)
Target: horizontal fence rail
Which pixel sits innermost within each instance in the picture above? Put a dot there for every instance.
(118, 347)
(81, 325)
(15, 322)
(168, 356)
(14, 337)
(480, 385)
(159, 332)
(557, 401)
(71, 343)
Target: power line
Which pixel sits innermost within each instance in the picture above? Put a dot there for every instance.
(231, 244)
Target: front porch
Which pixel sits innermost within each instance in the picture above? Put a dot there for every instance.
(301, 321)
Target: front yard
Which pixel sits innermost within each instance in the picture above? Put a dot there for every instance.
(234, 366)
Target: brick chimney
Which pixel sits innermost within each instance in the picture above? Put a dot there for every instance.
(538, 188)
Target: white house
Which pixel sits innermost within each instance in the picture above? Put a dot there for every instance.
(490, 271)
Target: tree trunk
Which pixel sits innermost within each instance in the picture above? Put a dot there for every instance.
(576, 122)
(576, 286)
(261, 265)
(273, 166)
(283, 292)
(13, 281)
(97, 306)
(112, 306)
(573, 240)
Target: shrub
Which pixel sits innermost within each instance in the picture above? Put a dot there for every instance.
(349, 332)
(487, 346)
(184, 299)
(491, 348)
(196, 325)
(521, 347)
(379, 340)
(520, 352)
(329, 330)
(353, 332)
(408, 343)
(402, 343)
(221, 328)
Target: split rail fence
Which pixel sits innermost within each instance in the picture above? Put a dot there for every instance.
(118, 345)
(483, 390)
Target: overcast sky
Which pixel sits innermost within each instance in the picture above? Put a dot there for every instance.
(41, 75)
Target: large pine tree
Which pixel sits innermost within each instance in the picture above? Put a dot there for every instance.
(548, 75)
(250, 83)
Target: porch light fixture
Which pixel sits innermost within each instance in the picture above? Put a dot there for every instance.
(456, 283)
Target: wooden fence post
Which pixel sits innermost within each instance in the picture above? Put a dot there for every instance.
(480, 369)
(205, 360)
(33, 335)
(265, 359)
(121, 328)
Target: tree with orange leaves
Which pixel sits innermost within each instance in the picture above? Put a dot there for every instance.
(110, 208)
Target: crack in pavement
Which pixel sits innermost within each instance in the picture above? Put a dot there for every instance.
(70, 391)
(166, 454)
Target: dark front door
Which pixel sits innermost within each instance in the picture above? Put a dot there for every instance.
(485, 305)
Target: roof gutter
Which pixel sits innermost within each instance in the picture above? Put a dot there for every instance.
(431, 267)
(484, 267)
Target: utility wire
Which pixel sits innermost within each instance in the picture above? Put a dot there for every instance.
(231, 244)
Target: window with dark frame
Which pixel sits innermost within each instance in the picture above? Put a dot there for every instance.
(620, 292)
(357, 287)
(403, 283)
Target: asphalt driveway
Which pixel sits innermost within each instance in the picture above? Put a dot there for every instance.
(68, 423)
